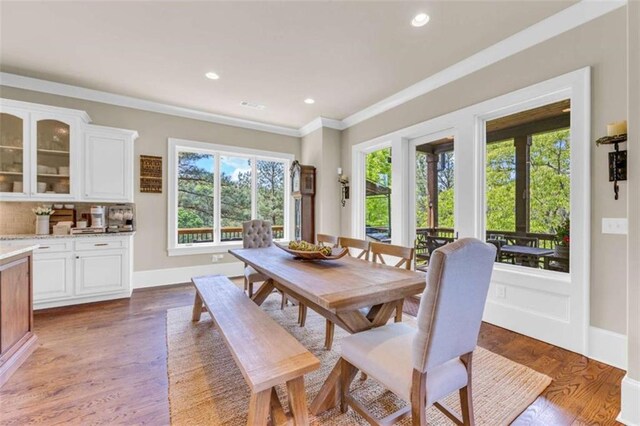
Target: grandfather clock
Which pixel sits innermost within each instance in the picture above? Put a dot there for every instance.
(303, 189)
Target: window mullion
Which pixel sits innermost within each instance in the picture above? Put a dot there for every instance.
(254, 188)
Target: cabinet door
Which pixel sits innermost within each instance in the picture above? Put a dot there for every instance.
(108, 174)
(101, 271)
(14, 153)
(55, 155)
(52, 276)
(15, 303)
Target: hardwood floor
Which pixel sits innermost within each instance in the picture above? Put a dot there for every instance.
(105, 363)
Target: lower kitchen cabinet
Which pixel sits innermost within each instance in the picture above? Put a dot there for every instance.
(74, 270)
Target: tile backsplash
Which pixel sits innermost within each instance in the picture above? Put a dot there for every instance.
(17, 217)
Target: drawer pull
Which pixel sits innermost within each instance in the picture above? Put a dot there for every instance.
(101, 244)
(44, 247)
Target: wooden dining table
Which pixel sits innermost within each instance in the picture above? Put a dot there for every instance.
(337, 290)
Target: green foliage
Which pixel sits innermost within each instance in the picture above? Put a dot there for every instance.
(378, 170)
(195, 190)
(271, 191)
(501, 186)
(445, 191)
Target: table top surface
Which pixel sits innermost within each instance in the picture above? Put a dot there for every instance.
(532, 251)
(338, 285)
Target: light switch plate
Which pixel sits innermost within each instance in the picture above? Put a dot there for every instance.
(614, 225)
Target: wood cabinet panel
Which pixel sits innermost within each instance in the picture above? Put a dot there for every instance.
(15, 303)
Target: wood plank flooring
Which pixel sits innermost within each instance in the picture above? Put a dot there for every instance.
(105, 363)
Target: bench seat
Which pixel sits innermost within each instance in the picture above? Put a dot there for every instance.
(265, 353)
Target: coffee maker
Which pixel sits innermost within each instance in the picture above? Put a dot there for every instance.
(97, 217)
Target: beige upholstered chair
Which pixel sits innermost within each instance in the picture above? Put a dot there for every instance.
(255, 234)
(424, 364)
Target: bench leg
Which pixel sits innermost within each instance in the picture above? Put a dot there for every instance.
(278, 416)
(259, 405)
(298, 401)
(197, 308)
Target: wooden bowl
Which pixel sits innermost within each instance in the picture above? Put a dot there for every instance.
(336, 253)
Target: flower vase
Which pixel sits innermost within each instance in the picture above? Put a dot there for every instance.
(42, 224)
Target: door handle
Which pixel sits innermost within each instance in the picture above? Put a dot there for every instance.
(101, 244)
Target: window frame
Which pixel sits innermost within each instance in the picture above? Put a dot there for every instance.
(175, 146)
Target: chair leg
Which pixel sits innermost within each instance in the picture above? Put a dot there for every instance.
(418, 398)
(328, 339)
(302, 314)
(347, 373)
(399, 308)
(246, 284)
(466, 397)
(250, 285)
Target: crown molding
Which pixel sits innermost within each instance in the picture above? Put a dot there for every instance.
(563, 21)
(54, 88)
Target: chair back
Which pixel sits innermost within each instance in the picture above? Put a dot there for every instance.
(325, 239)
(522, 241)
(256, 234)
(356, 244)
(405, 254)
(452, 305)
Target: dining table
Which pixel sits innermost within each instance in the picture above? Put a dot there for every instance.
(355, 294)
(530, 255)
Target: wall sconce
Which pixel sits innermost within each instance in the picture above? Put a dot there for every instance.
(616, 134)
(344, 183)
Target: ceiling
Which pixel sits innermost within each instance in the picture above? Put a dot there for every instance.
(345, 55)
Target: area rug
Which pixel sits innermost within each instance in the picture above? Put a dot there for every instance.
(206, 387)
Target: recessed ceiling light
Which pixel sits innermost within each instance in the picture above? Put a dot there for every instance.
(420, 19)
(212, 75)
(309, 101)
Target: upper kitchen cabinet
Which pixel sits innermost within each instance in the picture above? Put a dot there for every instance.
(50, 153)
(108, 163)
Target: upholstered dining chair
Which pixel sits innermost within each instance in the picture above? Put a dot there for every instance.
(256, 234)
(359, 249)
(403, 258)
(423, 365)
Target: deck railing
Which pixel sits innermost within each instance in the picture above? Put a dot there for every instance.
(205, 235)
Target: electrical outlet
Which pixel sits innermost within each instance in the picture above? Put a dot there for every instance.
(214, 258)
(501, 291)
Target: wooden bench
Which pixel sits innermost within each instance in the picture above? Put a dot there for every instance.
(266, 353)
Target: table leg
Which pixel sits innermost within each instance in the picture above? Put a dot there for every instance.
(263, 292)
(197, 308)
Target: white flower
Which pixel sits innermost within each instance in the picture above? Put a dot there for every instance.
(43, 211)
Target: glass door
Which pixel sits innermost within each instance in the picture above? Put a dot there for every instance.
(53, 157)
(13, 155)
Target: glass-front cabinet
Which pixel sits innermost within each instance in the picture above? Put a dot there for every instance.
(14, 157)
(53, 156)
(38, 152)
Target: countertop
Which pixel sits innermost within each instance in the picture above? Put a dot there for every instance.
(38, 237)
(10, 251)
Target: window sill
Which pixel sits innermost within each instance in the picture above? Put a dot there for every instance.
(186, 250)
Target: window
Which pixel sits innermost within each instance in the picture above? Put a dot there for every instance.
(528, 186)
(212, 191)
(378, 195)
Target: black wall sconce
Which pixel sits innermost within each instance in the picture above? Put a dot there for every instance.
(344, 183)
(617, 134)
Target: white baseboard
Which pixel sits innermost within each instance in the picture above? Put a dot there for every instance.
(630, 412)
(80, 300)
(608, 347)
(160, 277)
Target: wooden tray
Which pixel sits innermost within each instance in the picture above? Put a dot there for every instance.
(336, 253)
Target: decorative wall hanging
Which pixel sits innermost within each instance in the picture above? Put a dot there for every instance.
(150, 174)
(616, 134)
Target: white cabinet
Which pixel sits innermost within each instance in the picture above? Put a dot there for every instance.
(108, 164)
(72, 270)
(101, 271)
(53, 154)
(52, 276)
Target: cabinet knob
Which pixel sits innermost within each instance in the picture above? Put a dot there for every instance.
(77, 257)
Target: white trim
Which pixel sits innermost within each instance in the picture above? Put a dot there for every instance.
(608, 347)
(546, 305)
(161, 277)
(176, 145)
(44, 86)
(563, 21)
(630, 403)
(82, 300)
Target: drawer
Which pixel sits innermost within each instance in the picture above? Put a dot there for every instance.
(52, 245)
(100, 244)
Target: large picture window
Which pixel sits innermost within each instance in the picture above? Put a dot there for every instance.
(213, 191)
